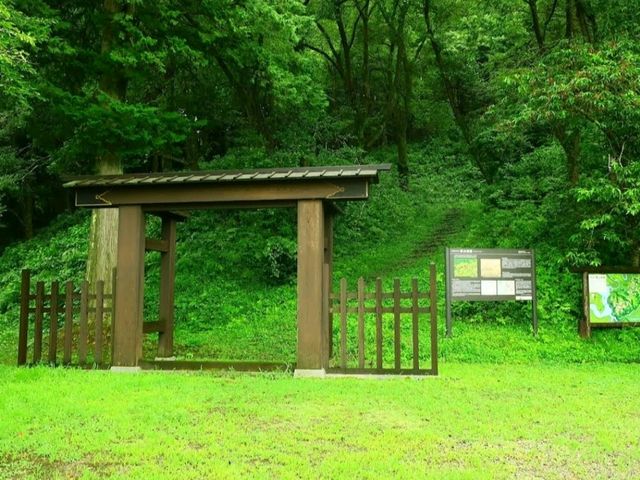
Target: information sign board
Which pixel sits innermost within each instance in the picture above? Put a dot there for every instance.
(612, 298)
(474, 274)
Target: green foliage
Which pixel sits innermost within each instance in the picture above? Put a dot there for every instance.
(609, 233)
(279, 259)
(21, 37)
(57, 253)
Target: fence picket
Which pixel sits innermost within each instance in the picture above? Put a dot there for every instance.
(53, 322)
(84, 323)
(37, 333)
(114, 279)
(97, 354)
(68, 323)
(396, 322)
(343, 323)
(379, 323)
(414, 321)
(361, 322)
(24, 317)
(434, 319)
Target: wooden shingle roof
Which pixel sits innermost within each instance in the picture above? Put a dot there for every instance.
(259, 175)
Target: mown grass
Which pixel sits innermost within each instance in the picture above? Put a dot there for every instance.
(475, 421)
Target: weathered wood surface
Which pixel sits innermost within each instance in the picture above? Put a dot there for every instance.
(38, 325)
(53, 322)
(61, 323)
(24, 317)
(311, 333)
(343, 304)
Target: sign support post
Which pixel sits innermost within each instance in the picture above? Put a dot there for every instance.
(534, 295)
(447, 292)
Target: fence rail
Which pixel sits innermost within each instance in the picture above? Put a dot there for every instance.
(66, 331)
(342, 305)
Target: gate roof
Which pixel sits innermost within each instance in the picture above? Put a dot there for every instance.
(226, 188)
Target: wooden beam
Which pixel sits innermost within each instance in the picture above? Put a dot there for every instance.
(178, 215)
(154, 245)
(202, 365)
(172, 197)
(167, 282)
(310, 285)
(153, 327)
(327, 286)
(127, 334)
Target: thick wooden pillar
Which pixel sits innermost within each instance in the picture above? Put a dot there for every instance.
(167, 283)
(311, 323)
(127, 331)
(327, 286)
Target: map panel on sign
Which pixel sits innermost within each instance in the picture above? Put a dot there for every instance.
(614, 298)
(465, 266)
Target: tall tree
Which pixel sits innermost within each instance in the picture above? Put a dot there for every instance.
(24, 31)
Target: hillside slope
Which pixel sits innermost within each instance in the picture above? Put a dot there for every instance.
(235, 285)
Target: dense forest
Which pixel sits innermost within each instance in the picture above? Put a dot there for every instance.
(540, 97)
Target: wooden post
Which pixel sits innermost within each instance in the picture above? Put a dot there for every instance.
(167, 286)
(97, 348)
(584, 326)
(24, 317)
(361, 322)
(447, 291)
(327, 276)
(343, 323)
(534, 296)
(310, 285)
(68, 323)
(396, 324)
(83, 338)
(37, 333)
(379, 323)
(433, 307)
(53, 323)
(114, 282)
(127, 333)
(415, 325)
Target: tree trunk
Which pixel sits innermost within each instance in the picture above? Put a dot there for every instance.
(103, 236)
(452, 91)
(26, 200)
(571, 145)
(569, 19)
(403, 162)
(535, 20)
(366, 74)
(403, 100)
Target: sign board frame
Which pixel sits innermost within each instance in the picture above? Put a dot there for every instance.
(500, 266)
(585, 324)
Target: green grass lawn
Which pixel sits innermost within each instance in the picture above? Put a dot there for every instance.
(475, 421)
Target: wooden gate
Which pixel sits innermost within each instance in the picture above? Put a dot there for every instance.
(371, 319)
(58, 323)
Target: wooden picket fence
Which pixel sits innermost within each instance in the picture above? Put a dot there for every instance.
(362, 304)
(59, 322)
